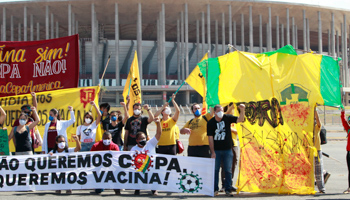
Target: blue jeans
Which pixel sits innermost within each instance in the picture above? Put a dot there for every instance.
(226, 157)
(120, 147)
(86, 146)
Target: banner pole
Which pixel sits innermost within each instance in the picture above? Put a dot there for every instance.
(183, 82)
(129, 86)
(109, 58)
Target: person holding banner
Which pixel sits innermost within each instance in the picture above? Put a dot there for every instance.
(106, 144)
(62, 147)
(135, 124)
(2, 116)
(117, 124)
(147, 146)
(21, 133)
(198, 145)
(87, 131)
(220, 142)
(56, 127)
(167, 142)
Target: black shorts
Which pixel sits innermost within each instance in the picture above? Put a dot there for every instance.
(199, 151)
(169, 149)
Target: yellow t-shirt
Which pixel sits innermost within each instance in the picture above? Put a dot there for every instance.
(177, 132)
(168, 132)
(198, 126)
(317, 139)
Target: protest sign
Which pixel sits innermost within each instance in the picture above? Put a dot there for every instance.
(4, 143)
(109, 170)
(79, 98)
(37, 66)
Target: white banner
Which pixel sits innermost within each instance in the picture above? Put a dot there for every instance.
(107, 170)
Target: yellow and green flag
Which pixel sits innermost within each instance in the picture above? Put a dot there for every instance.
(280, 90)
(132, 86)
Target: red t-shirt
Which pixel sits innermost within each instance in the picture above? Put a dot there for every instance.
(51, 135)
(347, 129)
(99, 146)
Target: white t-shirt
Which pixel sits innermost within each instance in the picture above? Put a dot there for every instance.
(70, 150)
(88, 133)
(150, 146)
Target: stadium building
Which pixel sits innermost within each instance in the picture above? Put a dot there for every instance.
(172, 36)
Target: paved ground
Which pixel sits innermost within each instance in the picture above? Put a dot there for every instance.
(335, 186)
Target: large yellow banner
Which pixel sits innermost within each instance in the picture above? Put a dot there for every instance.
(79, 98)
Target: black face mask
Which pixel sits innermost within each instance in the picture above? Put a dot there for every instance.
(143, 142)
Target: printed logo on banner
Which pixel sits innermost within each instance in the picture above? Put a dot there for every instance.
(189, 183)
(142, 161)
(86, 96)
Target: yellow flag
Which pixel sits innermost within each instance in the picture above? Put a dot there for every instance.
(132, 86)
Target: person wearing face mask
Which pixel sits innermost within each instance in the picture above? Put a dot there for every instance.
(136, 123)
(198, 144)
(147, 146)
(62, 147)
(167, 142)
(106, 144)
(56, 127)
(117, 124)
(21, 134)
(26, 110)
(220, 142)
(87, 131)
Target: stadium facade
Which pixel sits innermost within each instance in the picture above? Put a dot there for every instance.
(172, 36)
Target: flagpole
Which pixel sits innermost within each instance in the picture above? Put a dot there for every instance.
(129, 86)
(109, 58)
(183, 82)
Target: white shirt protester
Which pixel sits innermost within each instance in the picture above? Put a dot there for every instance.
(150, 146)
(87, 133)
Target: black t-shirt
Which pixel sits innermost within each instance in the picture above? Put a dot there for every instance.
(105, 122)
(134, 125)
(116, 132)
(221, 132)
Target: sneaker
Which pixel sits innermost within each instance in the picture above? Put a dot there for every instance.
(137, 192)
(58, 191)
(222, 189)
(347, 191)
(216, 193)
(154, 193)
(322, 192)
(229, 193)
(68, 191)
(117, 192)
(326, 177)
(233, 189)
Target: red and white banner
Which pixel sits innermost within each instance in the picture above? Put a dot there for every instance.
(38, 66)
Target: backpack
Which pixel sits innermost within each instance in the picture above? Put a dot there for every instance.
(323, 135)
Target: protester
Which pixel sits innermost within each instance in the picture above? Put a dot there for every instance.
(147, 146)
(347, 129)
(87, 131)
(2, 116)
(21, 133)
(56, 127)
(198, 145)
(220, 142)
(104, 109)
(62, 147)
(320, 181)
(36, 137)
(105, 144)
(115, 127)
(135, 124)
(167, 142)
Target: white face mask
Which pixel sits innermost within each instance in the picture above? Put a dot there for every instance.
(167, 111)
(88, 120)
(107, 142)
(61, 145)
(220, 114)
(137, 112)
(22, 122)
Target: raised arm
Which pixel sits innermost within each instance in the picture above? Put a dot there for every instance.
(36, 118)
(77, 143)
(159, 129)
(127, 102)
(150, 114)
(161, 109)
(72, 117)
(99, 115)
(242, 113)
(2, 115)
(343, 120)
(318, 122)
(35, 103)
(177, 109)
(126, 113)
